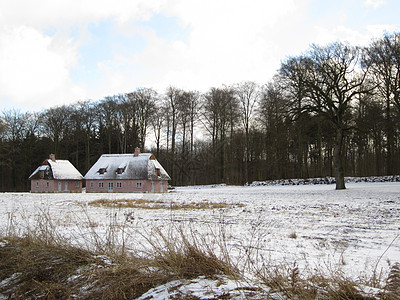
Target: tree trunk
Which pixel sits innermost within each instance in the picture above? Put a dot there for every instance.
(390, 139)
(158, 141)
(338, 161)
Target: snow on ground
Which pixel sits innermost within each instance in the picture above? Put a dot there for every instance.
(355, 230)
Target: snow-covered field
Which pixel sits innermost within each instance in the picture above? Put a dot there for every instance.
(354, 230)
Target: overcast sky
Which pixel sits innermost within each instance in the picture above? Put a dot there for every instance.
(55, 52)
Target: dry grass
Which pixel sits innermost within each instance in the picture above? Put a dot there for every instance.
(288, 281)
(41, 264)
(31, 269)
(43, 267)
(393, 281)
(187, 255)
(150, 204)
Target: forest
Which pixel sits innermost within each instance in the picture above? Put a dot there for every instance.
(333, 110)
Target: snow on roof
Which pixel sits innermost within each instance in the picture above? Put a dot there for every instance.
(127, 166)
(63, 169)
(60, 169)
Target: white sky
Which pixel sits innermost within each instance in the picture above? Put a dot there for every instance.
(56, 52)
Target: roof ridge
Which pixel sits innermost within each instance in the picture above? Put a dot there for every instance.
(124, 154)
(57, 160)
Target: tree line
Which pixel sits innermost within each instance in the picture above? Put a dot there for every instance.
(334, 110)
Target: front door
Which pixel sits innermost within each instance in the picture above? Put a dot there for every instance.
(66, 187)
(110, 187)
(152, 187)
(59, 186)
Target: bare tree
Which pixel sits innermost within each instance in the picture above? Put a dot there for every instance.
(333, 79)
(55, 124)
(272, 115)
(173, 96)
(88, 119)
(291, 79)
(220, 114)
(248, 94)
(382, 58)
(15, 132)
(127, 123)
(158, 120)
(144, 102)
(107, 109)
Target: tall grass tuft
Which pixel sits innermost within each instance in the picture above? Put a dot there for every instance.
(393, 281)
(41, 263)
(186, 255)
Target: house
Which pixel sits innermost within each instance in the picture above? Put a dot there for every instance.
(127, 173)
(56, 176)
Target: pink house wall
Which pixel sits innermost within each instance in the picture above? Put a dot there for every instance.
(56, 186)
(126, 186)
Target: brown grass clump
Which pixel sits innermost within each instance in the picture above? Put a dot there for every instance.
(32, 267)
(150, 204)
(44, 265)
(393, 281)
(187, 256)
(288, 281)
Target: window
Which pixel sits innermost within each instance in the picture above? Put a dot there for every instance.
(102, 170)
(120, 170)
(91, 184)
(101, 184)
(138, 185)
(37, 183)
(76, 184)
(119, 184)
(47, 184)
(158, 172)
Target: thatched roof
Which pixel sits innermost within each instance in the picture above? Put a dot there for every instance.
(127, 166)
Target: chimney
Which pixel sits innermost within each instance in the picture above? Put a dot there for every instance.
(137, 152)
(53, 157)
